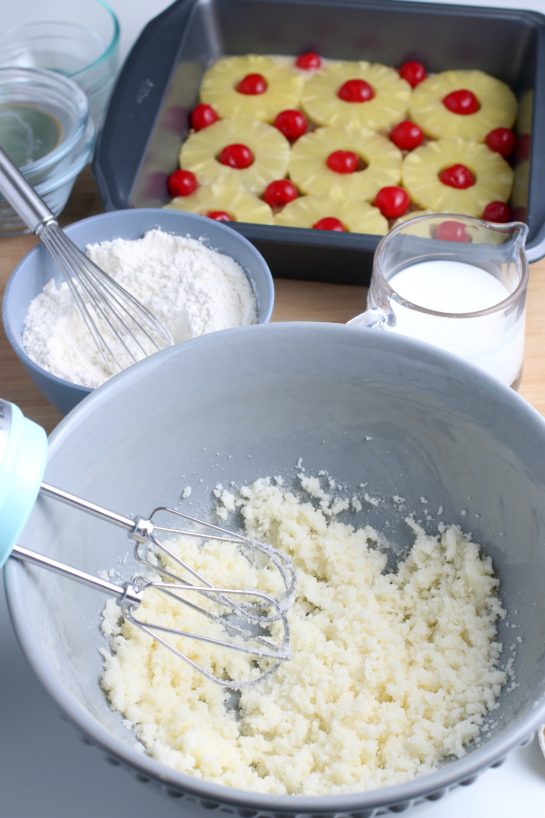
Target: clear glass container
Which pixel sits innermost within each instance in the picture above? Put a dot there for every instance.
(76, 38)
(46, 129)
(458, 283)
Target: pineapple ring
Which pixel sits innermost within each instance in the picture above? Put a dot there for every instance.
(310, 173)
(241, 205)
(493, 176)
(497, 101)
(219, 83)
(389, 105)
(270, 148)
(357, 217)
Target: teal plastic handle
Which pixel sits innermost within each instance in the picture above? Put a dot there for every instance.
(23, 457)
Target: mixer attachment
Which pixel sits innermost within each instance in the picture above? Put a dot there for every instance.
(157, 555)
(247, 620)
(265, 653)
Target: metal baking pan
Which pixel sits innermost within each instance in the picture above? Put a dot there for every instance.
(158, 86)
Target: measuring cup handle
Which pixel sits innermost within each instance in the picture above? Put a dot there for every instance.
(373, 317)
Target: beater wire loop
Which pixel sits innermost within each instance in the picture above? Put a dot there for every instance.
(249, 621)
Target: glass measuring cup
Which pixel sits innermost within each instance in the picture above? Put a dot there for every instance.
(456, 282)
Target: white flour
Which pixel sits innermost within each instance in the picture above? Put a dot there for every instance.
(193, 290)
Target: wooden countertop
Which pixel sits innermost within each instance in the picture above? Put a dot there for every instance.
(295, 301)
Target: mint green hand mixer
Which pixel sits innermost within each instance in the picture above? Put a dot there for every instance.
(247, 622)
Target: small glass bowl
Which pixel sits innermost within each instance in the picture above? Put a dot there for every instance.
(79, 39)
(65, 107)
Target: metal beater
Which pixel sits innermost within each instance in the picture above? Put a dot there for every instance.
(123, 330)
(253, 622)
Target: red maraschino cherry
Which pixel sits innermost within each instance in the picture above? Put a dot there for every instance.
(452, 230)
(202, 116)
(458, 176)
(252, 84)
(280, 192)
(462, 102)
(502, 141)
(236, 156)
(412, 72)
(497, 212)
(356, 90)
(407, 135)
(182, 183)
(342, 161)
(392, 201)
(291, 123)
(220, 216)
(309, 61)
(330, 223)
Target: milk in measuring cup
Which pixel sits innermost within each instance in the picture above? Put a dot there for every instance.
(494, 342)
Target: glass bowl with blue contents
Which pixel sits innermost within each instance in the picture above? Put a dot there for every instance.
(46, 129)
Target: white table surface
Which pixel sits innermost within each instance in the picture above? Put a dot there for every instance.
(46, 772)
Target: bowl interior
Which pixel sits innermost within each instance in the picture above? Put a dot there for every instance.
(247, 403)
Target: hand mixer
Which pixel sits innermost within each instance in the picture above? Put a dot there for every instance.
(246, 616)
(123, 330)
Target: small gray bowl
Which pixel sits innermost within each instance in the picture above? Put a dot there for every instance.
(405, 418)
(37, 267)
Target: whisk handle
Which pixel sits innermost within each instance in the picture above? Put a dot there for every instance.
(21, 196)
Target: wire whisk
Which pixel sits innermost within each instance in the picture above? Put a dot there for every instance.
(124, 330)
(243, 633)
(247, 620)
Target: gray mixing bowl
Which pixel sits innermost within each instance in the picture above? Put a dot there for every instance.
(250, 402)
